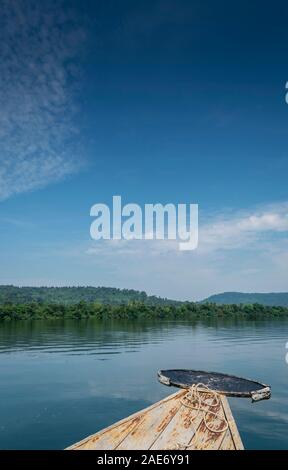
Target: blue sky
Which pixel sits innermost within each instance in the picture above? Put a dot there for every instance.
(158, 101)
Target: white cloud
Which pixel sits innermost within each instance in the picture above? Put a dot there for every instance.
(243, 229)
(238, 251)
(38, 44)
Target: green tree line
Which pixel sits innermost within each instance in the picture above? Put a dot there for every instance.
(134, 311)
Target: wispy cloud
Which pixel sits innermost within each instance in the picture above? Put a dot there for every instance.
(244, 229)
(39, 42)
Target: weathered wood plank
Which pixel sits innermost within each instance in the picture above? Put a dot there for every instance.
(110, 439)
(151, 426)
(79, 445)
(179, 431)
(205, 439)
(165, 425)
(232, 425)
(227, 443)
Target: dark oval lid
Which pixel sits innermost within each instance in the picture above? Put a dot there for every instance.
(226, 384)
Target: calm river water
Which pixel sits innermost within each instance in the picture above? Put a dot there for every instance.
(61, 381)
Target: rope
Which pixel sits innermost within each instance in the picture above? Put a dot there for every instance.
(195, 401)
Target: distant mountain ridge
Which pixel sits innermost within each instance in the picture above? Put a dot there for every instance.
(279, 299)
(73, 295)
(115, 296)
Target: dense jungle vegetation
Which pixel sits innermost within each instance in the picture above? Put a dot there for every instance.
(134, 311)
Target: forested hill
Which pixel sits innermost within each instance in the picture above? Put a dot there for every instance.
(73, 295)
(113, 296)
(270, 299)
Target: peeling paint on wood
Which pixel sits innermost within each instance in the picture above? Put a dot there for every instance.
(165, 425)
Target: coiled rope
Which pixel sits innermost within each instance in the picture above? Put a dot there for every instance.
(202, 398)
